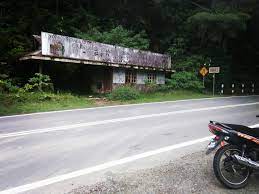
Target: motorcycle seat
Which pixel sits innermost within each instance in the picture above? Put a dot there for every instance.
(244, 129)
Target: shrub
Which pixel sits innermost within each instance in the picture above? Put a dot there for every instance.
(8, 86)
(124, 93)
(150, 87)
(39, 83)
(185, 80)
(164, 88)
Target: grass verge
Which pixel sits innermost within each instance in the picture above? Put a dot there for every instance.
(40, 102)
(170, 96)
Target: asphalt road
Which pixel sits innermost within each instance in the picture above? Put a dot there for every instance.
(38, 147)
(192, 173)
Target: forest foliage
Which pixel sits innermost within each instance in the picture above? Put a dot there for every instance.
(194, 32)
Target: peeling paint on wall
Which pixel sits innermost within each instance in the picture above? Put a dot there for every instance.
(68, 47)
(160, 78)
(119, 76)
(141, 77)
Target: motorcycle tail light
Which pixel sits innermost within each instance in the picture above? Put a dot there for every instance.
(213, 128)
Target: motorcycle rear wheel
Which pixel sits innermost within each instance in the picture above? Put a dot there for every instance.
(228, 172)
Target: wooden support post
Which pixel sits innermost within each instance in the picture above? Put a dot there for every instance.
(213, 89)
(40, 71)
(40, 68)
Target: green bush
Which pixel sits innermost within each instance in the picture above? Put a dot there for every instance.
(39, 83)
(185, 80)
(7, 86)
(124, 93)
(150, 87)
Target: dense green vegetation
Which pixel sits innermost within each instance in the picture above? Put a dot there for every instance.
(195, 32)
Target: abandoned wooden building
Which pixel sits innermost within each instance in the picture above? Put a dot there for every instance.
(109, 65)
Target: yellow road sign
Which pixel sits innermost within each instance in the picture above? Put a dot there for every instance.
(204, 71)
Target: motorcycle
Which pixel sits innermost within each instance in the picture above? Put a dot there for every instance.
(238, 155)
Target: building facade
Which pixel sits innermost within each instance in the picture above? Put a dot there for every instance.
(110, 66)
(123, 76)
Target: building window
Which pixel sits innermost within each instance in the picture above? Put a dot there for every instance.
(131, 77)
(151, 78)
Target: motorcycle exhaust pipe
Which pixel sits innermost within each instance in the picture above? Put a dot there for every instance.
(246, 162)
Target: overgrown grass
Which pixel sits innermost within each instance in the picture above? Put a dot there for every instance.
(170, 96)
(39, 102)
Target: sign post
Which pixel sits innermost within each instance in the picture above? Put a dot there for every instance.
(204, 71)
(214, 70)
(213, 89)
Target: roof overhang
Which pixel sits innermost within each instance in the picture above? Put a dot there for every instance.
(86, 62)
(38, 54)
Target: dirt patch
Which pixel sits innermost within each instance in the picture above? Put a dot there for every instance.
(102, 102)
(189, 174)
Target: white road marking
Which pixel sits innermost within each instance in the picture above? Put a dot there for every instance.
(85, 171)
(254, 126)
(124, 105)
(100, 167)
(74, 126)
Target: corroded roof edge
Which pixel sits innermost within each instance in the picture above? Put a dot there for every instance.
(37, 55)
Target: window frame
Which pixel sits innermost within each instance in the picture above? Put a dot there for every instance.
(151, 77)
(130, 77)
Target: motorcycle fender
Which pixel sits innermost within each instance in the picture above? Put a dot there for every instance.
(214, 143)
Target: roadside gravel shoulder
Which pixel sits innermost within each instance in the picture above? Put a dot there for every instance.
(189, 174)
